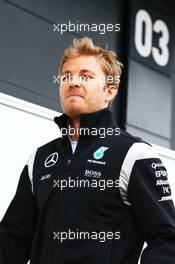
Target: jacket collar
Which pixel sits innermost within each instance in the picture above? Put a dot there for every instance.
(101, 118)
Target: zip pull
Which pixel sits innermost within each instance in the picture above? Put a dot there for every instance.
(68, 162)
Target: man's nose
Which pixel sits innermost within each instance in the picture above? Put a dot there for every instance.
(74, 81)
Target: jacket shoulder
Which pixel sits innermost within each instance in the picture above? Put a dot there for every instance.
(130, 138)
(49, 145)
(127, 139)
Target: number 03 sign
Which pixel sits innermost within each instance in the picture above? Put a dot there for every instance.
(145, 30)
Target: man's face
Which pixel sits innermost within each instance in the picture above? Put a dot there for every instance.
(82, 87)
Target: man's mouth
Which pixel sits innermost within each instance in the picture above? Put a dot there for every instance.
(74, 95)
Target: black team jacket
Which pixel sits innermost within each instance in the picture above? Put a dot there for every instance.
(95, 206)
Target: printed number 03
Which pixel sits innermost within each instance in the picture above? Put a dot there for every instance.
(161, 53)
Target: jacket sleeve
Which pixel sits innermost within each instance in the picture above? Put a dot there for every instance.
(149, 194)
(19, 222)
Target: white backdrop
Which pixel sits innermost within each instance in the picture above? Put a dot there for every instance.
(24, 127)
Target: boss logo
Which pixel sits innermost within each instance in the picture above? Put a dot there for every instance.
(91, 173)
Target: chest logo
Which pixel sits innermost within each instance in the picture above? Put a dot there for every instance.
(51, 160)
(47, 176)
(99, 153)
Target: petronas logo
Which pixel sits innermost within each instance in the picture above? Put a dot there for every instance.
(99, 153)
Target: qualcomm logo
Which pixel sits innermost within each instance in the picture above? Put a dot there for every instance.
(51, 159)
(99, 153)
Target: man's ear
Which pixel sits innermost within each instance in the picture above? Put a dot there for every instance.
(111, 92)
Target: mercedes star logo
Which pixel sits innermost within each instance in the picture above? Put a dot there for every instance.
(51, 159)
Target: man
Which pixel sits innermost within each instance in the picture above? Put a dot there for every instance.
(90, 197)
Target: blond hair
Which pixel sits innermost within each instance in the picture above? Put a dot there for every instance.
(107, 58)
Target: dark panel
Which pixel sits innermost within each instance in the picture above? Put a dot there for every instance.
(167, 6)
(156, 34)
(150, 100)
(173, 115)
(30, 50)
(92, 11)
(30, 53)
(29, 96)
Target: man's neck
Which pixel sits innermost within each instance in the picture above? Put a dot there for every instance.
(74, 122)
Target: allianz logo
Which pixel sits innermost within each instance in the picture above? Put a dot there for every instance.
(47, 176)
(92, 173)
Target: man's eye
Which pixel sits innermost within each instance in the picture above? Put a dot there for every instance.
(63, 78)
(87, 77)
(66, 78)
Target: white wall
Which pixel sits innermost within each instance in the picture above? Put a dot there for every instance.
(23, 127)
